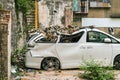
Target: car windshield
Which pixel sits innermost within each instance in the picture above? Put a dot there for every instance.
(71, 38)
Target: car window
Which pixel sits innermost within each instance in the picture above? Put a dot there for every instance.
(43, 40)
(114, 41)
(71, 38)
(32, 37)
(94, 36)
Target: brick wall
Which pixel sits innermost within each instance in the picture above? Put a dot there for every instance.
(3, 52)
(4, 56)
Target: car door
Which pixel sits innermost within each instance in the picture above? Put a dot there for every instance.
(97, 49)
(68, 50)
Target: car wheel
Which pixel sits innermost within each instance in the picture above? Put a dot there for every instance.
(50, 63)
(117, 63)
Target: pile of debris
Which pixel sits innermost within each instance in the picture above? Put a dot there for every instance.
(52, 32)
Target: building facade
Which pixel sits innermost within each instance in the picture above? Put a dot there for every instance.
(53, 12)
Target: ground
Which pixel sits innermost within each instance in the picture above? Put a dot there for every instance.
(55, 75)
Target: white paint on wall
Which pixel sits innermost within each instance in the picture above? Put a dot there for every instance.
(101, 22)
(44, 17)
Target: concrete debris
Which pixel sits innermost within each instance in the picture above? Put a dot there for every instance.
(52, 32)
(13, 69)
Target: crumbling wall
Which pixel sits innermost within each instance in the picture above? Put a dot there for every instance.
(10, 5)
(51, 12)
(5, 51)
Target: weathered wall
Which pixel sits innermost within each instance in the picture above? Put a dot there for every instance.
(11, 44)
(10, 5)
(5, 44)
(3, 52)
(68, 16)
(96, 13)
(52, 12)
(115, 7)
(21, 40)
(104, 12)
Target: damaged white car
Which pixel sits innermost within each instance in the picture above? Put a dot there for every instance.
(69, 51)
(35, 37)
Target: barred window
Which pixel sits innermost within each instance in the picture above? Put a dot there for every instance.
(80, 6)
(100, 3)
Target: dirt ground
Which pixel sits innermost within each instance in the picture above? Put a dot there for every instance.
(55, 75)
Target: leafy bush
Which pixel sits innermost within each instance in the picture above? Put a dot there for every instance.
(94, 71)
(24, 5)
(18, 57)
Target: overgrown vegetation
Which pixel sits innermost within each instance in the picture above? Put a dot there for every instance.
(94, 71)
(18, 62)
(24, 5)
(0, 6)
(18, 57)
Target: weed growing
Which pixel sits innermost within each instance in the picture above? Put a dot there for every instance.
(94, 71)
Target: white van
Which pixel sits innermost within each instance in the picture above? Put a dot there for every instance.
(69, 51)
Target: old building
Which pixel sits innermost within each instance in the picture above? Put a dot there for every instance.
(107, 10)
(53, 12)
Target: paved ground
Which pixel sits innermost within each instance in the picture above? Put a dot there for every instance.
(55, 75)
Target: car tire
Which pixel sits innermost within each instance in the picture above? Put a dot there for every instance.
(116, 64)
(50, 63)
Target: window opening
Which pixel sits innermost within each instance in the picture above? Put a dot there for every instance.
(80, 6)
(93, 36)
(100, 3)
(71, 38)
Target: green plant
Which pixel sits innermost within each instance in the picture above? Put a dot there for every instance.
(18, 57)
(0, 6)
(24, 5)
(94, 71)
(19, 33)
(27, 29)
(18, 61)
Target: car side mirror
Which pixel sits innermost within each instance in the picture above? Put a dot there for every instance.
(107, 40)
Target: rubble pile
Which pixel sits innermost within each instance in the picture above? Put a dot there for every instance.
(52, 32)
